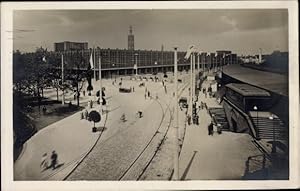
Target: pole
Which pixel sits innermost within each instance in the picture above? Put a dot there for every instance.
(136, 70)
(194, 76)
(273, 145)
(100, 79)
(198, 63)
(94, 64)
(191, 86)
(62, 79)
(176, 147)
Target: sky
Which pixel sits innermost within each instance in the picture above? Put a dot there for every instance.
(241, 31)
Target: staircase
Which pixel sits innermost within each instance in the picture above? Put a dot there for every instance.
(219, 116)
(267, 128)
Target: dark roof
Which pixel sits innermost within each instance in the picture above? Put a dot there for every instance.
(273, 82)
(248, 90)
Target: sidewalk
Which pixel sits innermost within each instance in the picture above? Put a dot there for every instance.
(70, 147)
(219, 157)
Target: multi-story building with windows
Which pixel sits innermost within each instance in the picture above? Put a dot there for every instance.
(66, 45)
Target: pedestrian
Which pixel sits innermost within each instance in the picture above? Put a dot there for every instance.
(189, 119)
(219, 129)
(44, 162)
(53, 160)
(44, 110)
(74, 97)
(86, 114)
(91, 106)
(83, 92)
(210, 129)
(148, 93)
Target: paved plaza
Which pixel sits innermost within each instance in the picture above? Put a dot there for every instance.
(137, 148)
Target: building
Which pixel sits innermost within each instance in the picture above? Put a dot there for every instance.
(66, 46)
(130, 39)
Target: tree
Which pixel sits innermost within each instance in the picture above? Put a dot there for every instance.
(95, 117)
(30, 72)
(75, 78)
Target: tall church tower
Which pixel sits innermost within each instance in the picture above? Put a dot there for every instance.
(130, 39)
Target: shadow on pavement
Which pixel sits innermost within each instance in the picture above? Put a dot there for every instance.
(101, 128)
(188, 166)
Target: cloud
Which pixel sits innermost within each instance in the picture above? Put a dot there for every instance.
(109, 28)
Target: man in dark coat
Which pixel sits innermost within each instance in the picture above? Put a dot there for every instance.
(53, 160)
(210, 129)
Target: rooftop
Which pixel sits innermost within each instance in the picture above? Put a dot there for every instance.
(248, 90)
(273, 82)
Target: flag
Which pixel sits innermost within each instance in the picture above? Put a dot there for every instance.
(91, 61)
(216, 55)
(189, 52)
(135, 66)
(224, 55)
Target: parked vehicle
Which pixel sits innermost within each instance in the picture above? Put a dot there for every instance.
(183, 102)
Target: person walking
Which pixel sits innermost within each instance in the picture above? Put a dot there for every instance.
(210, 129)
(86, 114)
(54, 160)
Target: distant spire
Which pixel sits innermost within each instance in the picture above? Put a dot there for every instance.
(130, 39)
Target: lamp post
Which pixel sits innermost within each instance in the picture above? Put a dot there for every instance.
(136, 68)
(256, 109)
(176, 147)
(273, 145)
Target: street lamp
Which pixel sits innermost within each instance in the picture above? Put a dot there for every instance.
(136, 68)
(256, 109)
(273, 145)
(176, 147)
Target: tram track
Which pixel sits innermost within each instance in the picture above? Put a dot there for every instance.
(154, 142)
(158, 144)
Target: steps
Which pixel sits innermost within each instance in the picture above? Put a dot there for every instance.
(268, 128)
(219, 116)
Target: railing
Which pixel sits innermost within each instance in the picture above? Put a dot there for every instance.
(253, 130)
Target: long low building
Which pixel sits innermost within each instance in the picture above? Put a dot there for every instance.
(270, 81)
(276, 84)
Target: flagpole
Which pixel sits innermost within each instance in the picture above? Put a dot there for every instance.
(176, 146)
(62, 79)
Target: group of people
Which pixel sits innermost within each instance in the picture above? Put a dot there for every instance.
(44, 162)
(211, 126)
